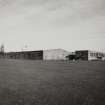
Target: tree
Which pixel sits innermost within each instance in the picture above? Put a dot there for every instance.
(2, 54)
(2, 48)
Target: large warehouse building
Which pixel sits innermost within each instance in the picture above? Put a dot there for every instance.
(53, 54)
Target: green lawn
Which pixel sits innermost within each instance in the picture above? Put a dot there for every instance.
(26, 82)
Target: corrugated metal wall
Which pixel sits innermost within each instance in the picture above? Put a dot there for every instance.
(35, 55)
(55, 54)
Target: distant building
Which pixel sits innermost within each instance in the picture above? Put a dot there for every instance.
(34, 55)
(89, 55)
(55, 54)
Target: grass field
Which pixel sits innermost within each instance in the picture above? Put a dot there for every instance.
(26, 82)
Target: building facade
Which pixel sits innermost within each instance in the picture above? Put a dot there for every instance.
(55, 54)
(93, 55)
(34, 55)
(89, 55)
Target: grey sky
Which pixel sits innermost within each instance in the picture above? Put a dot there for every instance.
(46, 24)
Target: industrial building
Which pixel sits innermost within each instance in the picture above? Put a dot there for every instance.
(34, 55)
(53, 54)
(89, 55)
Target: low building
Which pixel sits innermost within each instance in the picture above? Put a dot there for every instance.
(55, 54)
(34, 55)
(93, 55)
(89, 55)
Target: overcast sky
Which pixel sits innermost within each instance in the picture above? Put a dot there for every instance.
(47, 24)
